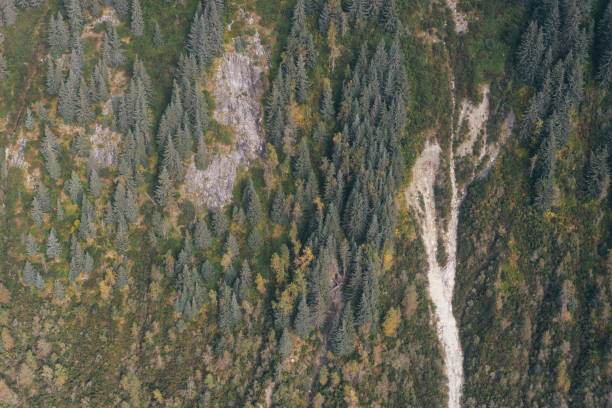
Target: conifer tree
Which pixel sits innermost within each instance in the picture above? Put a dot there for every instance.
(164, 192)
(59, 210)
(122, 9)
(122, 241)
(207, 271)
(344, 335)
(29, 120)
(158, 37)
(9, 12)
(52, 86)
(67, 103)
(54, 248)
(137, 25)
(301, 80)
(327, 104)
(303, 321)
(255, 240)
(111, 47)
(254, 210)
(277, 211)
(59, 291)
(3, 71)
(31, 245)
(201, 235)
(36, 212)
(42, 194)
(219, 221)
(84, 113)
(285, 346)
(201, 155)
(172, 161)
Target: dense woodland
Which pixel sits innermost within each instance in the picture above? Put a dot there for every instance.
(309, 288)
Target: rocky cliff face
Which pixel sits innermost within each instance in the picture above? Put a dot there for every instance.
(238, 89)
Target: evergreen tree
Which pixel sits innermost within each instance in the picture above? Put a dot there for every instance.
(3, 70)
(344, 335)
(54, 248)
(67, 103)
(137, 25)
(201, 156)
(255, 241)
(9, 12)
(301, 80)
(254, 210)
(122, 240)
(100, 88)
(164, 191)
(158, 37)
(303, 321)
(122, 9)
(598, 174)
(84, 113)
(31, 245)
(74, 187)
(42, 194)
(201, 235)
(111, 47)
(59, 211)
(80, 145)
(207, 271)
(277, 211)
(219, 221)
(327, 104)
(231, 246)
(285, 346)
(29, 120)
(59, 291)
(52, 85)
(172, 162)
(36, 212)
(390, 16)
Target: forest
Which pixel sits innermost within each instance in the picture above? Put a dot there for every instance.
(203, 202)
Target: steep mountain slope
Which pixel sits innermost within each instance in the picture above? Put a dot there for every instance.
(304, 203)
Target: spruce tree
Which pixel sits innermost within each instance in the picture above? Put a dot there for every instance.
(254, 210)
(42, 193)
(219, 221)
(201, 155)
(36, 212)
(29, 120)
(301, 81)
(285, 346)
(9, 12)
(303, 321)
(172, 161)
(327, 104)
(54, 248)
(164, 190)
(67, 103)
(344, 335)
(3, 70)
(31, 245)
(201, 235)
(137, 25)
(158, 37)
(95, 185)
(122, 240)
(122, 9)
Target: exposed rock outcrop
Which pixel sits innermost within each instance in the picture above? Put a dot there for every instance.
(238, 89)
